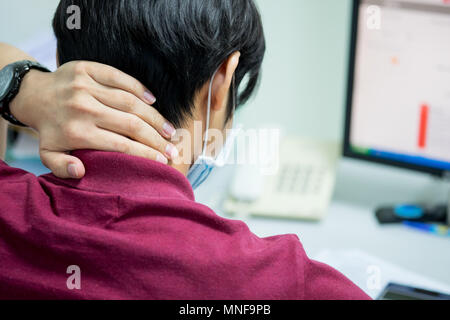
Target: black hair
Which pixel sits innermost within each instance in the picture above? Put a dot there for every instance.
(172, 46)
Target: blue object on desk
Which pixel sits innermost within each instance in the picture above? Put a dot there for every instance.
(409, 212)
(436, 229)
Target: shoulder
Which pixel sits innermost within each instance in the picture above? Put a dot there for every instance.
(323, 282)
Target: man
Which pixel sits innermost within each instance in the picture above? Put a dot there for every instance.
(131, 227)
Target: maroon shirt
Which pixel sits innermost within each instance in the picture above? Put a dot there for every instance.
(135, 231)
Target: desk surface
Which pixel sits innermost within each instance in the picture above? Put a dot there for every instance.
(353, 227)
(351, 223)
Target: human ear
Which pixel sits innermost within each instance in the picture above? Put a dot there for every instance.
(223, 80)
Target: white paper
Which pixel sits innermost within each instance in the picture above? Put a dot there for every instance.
(372, 274)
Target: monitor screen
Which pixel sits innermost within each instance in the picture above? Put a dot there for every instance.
(399, 95)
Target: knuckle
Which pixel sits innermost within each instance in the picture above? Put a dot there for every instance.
(69, 131)
(161, 144)
(76, 104)
(129, 102)
(122, 146)
(72, 134)
(134, 125)
(152, 155)
(79, 68)
(153, 117)
(136, 87)
(93, 112)
(114, 74)
(78, 84)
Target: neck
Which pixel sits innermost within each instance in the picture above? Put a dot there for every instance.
(189, 141)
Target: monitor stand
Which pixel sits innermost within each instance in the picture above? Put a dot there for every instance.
(438, 213)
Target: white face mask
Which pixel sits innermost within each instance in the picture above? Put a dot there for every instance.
(204, 165)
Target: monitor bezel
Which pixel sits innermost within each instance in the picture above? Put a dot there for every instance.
(348, 152)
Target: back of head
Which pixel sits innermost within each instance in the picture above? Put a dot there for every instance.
(172, 46)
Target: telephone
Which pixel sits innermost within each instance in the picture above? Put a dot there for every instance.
(301, 188)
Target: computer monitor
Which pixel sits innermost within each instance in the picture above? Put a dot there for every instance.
(398, 106)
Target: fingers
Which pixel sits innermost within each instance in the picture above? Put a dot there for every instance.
(63, 165)
(128, 103)
(109, 141)
(132, 126)
(112, 77)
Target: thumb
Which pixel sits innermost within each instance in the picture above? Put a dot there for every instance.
(62, 165)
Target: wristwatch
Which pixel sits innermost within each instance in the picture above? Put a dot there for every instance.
(11, 78)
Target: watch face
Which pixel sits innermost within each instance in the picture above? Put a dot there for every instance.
(6, 81)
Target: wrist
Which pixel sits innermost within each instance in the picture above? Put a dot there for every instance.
(23, 106)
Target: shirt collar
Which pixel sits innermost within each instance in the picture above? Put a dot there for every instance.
(118, 173)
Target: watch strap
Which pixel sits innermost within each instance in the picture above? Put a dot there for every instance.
(21, 68)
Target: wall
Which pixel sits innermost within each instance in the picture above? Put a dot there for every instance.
(304, 72)
(305, 69)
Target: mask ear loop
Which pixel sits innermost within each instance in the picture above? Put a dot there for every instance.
(208, 114)
(234, 95)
